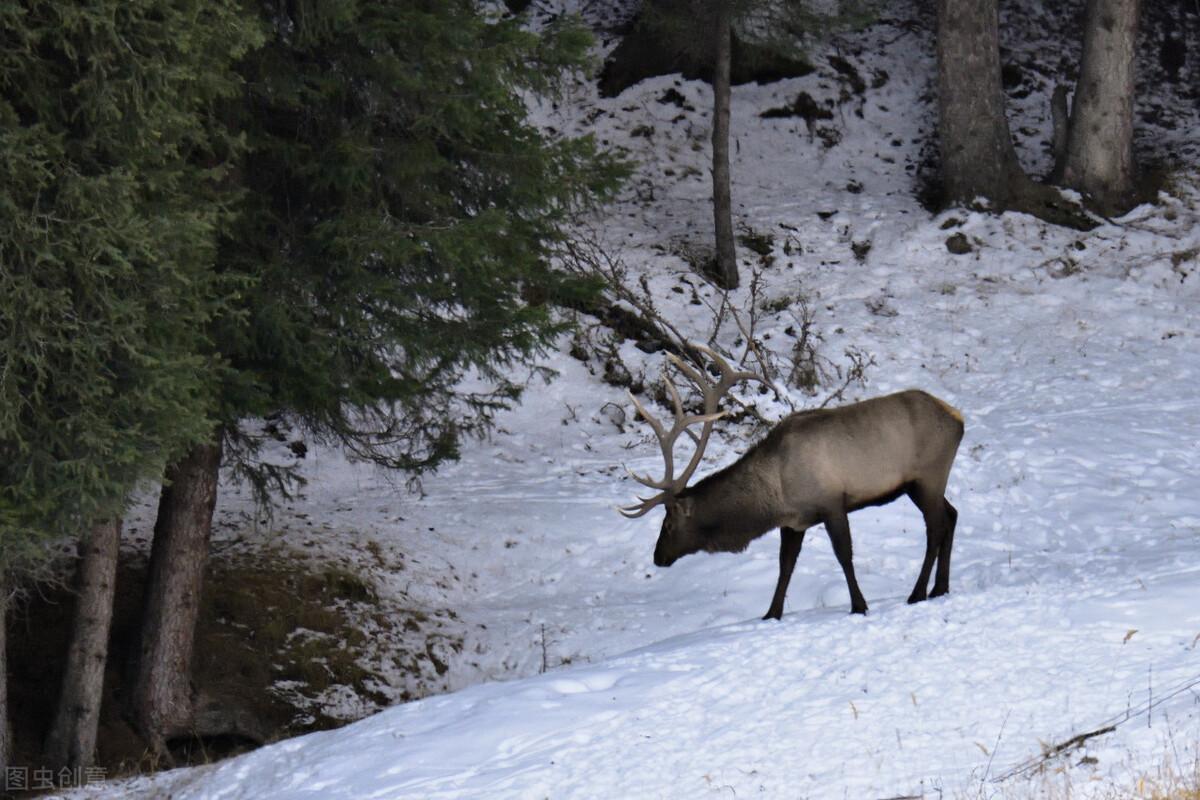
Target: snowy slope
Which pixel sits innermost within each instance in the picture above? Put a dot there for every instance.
(1076, 566)
(1079, 524)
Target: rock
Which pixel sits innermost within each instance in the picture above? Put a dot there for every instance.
(959, 244)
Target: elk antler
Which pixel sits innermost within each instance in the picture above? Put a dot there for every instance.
(669, 485)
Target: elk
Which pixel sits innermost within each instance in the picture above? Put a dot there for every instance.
(813, 467)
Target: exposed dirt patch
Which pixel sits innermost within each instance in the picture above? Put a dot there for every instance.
(284, 647)
(805, 107)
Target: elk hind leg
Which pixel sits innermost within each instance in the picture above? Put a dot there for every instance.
(941, 581)
(933, 508)
(790, 540)
(838, 528)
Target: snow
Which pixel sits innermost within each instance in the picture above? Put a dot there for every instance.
(578, 669)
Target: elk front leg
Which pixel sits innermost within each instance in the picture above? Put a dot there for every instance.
(838, 528)
(790, 540)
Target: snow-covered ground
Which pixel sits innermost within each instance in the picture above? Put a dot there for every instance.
(1076, 570)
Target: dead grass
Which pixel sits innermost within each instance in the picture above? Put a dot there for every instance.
(1171, 780)
(276, 634)
(1171, 785)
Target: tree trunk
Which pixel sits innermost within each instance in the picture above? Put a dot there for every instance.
(1060, 116)
(6, 743)
(161, 698)
(72, 739)
(1099, 158)
(978, 158)
(726, 262)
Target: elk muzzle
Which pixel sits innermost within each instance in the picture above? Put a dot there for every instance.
(663, 558)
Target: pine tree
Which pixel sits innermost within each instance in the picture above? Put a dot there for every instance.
(1098, 155)
(394, 237)
(6, 743)
(705, 29)
(978, 156)
(112, 189)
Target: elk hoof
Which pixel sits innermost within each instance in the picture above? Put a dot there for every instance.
(916, 598)
(859, 610)
(938, 592)
(773, 614)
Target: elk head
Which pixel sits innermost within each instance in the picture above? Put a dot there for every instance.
(680, 535)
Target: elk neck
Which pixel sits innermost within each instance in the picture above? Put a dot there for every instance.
(736, 505)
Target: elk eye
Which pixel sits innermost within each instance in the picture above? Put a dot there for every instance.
(685, 508)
